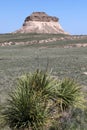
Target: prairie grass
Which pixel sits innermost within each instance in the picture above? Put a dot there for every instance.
(59, 61)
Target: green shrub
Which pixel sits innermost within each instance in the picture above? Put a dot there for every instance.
(68, 93)
(27, 106)
(40, 99)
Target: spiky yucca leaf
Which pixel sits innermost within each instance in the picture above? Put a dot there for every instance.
(38, 99)
(28, 106)
(68, 93)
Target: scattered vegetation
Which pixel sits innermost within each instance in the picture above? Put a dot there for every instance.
(39, 100)
(34, 38)
(62, 100)
(17, 37)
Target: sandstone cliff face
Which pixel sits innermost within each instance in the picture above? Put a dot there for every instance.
(40, 22)
(41, 16)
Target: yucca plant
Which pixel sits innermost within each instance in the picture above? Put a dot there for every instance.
(28, 103)
(68, 96)
(68, 93)
(38, 99)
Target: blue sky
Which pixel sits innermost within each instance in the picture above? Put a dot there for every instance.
(72, 13)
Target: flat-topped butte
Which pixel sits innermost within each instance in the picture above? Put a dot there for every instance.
(41, 16)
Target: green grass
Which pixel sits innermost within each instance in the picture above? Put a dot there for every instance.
(20, 59)
(17, 37)
(63, 62)
(26, 37)
(40, 99)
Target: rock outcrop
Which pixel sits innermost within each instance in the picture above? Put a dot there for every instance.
(41, 16)
(40, 22)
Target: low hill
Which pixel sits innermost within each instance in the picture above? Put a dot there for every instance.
(59, 40)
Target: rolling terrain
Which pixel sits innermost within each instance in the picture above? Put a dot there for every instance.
(61, 55)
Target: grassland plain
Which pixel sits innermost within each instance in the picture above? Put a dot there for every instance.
(62, 38)
(63, 62)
